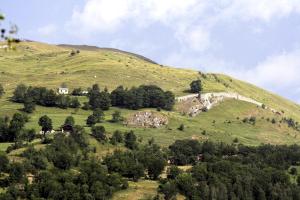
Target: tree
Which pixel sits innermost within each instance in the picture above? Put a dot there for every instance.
(130, 140)
(1, 90)
(196, 86)
(62, 101)
(117, 96)
(74, 103)
(19, 93)
(173, 171)
(99, 133)
(98, 114)
(16, 172)
(155, 165)
(3, 163)
(51, 98)
(169, 189)
(117, 137)
(70, 121)
(293, 171)
(91, 120)
(125, 163)
(29, 105)
(77, 92)
(16, 124)
(29, 135)
(169, 100)
(116, 117)
(185, 183)
(63, 160)
(46, 123)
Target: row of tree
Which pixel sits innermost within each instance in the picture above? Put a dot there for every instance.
(144, 96)
(31, 96)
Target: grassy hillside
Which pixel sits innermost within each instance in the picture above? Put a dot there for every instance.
(41, 64)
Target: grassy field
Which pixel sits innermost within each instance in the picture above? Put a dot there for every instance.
(144, 189)
(40, 64)
(48, 65)
(222, 123)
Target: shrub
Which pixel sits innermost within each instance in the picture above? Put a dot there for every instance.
(99, 133)
(181, 127)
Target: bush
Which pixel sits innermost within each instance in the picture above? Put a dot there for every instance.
(91, 120)
(29, 105)
(181, 127)
(293, 171)
(117, 137)
(99, 133)
(130, 140)
(116, 117)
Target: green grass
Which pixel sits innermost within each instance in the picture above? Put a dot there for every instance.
(144, 189)
(40, 64)
(262, 132)
(47, 65)
(3, 146)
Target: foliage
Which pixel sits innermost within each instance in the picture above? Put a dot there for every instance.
(91, 120)
(99, 133)
(196, 86)
(43, 96)
(46, 123)
(116, 117)
(29, 105)
(117, 137)
(144, 96)
(130, 140)
(70, 121)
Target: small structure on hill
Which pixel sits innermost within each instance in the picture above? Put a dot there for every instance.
(62, 90)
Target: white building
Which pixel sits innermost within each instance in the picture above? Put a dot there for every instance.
(62, 90)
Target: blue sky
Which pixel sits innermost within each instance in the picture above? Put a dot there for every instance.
(254, 40)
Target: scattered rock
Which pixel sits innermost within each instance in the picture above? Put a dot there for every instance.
(148, 119)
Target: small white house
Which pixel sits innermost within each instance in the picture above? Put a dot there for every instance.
(62, 90)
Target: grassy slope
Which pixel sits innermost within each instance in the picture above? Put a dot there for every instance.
(47, 65)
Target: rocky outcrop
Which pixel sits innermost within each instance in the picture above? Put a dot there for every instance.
(194, 104)
(148, 119)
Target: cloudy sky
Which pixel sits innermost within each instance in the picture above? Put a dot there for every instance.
(253, 40)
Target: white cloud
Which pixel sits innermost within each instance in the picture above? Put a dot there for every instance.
(278, 73)
(101, 15)
(191, 20)
(261, 9)
(47, 30)
(196, 38)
